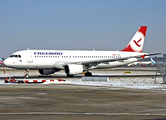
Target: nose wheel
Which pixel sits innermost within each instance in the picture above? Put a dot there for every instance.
(26, 74)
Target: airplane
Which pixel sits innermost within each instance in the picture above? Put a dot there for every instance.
(75, 62)
(143, 63)
(1, 61)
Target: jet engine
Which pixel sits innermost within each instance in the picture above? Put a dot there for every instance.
(47, 71)
(72, 69)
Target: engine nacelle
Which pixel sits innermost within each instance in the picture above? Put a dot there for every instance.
(47, 71)
(72, 69)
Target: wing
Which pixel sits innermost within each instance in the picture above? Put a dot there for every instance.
(96, 62)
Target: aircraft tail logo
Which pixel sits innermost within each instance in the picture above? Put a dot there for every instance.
(1, 61)
(137, 42)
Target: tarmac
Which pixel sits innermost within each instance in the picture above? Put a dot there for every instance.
(80, 102)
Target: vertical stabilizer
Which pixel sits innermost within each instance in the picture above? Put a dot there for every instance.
(152, 61)
(1, 60)
(137, 42)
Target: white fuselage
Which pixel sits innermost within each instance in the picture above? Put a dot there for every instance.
(49, 59)
(75, 62)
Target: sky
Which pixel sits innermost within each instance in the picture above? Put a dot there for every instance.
(80, 24)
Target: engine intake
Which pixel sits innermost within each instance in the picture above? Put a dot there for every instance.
(72, 69)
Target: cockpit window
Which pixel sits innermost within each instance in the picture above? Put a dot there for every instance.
(16, 56)
(12, 56)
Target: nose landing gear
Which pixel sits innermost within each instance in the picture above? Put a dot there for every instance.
(26, 75)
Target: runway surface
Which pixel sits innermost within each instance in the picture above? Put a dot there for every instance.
(138, 78)
(116, 72)
(73, 102)
(119, 98)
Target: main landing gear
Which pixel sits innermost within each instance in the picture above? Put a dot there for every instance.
(70, 75)
(88, 74)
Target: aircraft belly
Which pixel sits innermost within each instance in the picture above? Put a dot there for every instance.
(42, 65)
(34, 65)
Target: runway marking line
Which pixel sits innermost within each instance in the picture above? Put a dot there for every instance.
(52, 113)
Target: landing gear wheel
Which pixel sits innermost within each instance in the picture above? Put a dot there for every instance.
(88, 74)
(26, 76)
(70, 75)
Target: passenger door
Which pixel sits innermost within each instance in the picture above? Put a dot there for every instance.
(30, 56)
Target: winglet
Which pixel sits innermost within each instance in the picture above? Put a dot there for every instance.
(137, 42)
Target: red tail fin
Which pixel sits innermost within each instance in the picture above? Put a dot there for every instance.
(137, 42)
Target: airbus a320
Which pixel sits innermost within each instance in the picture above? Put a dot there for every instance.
(75, 62)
